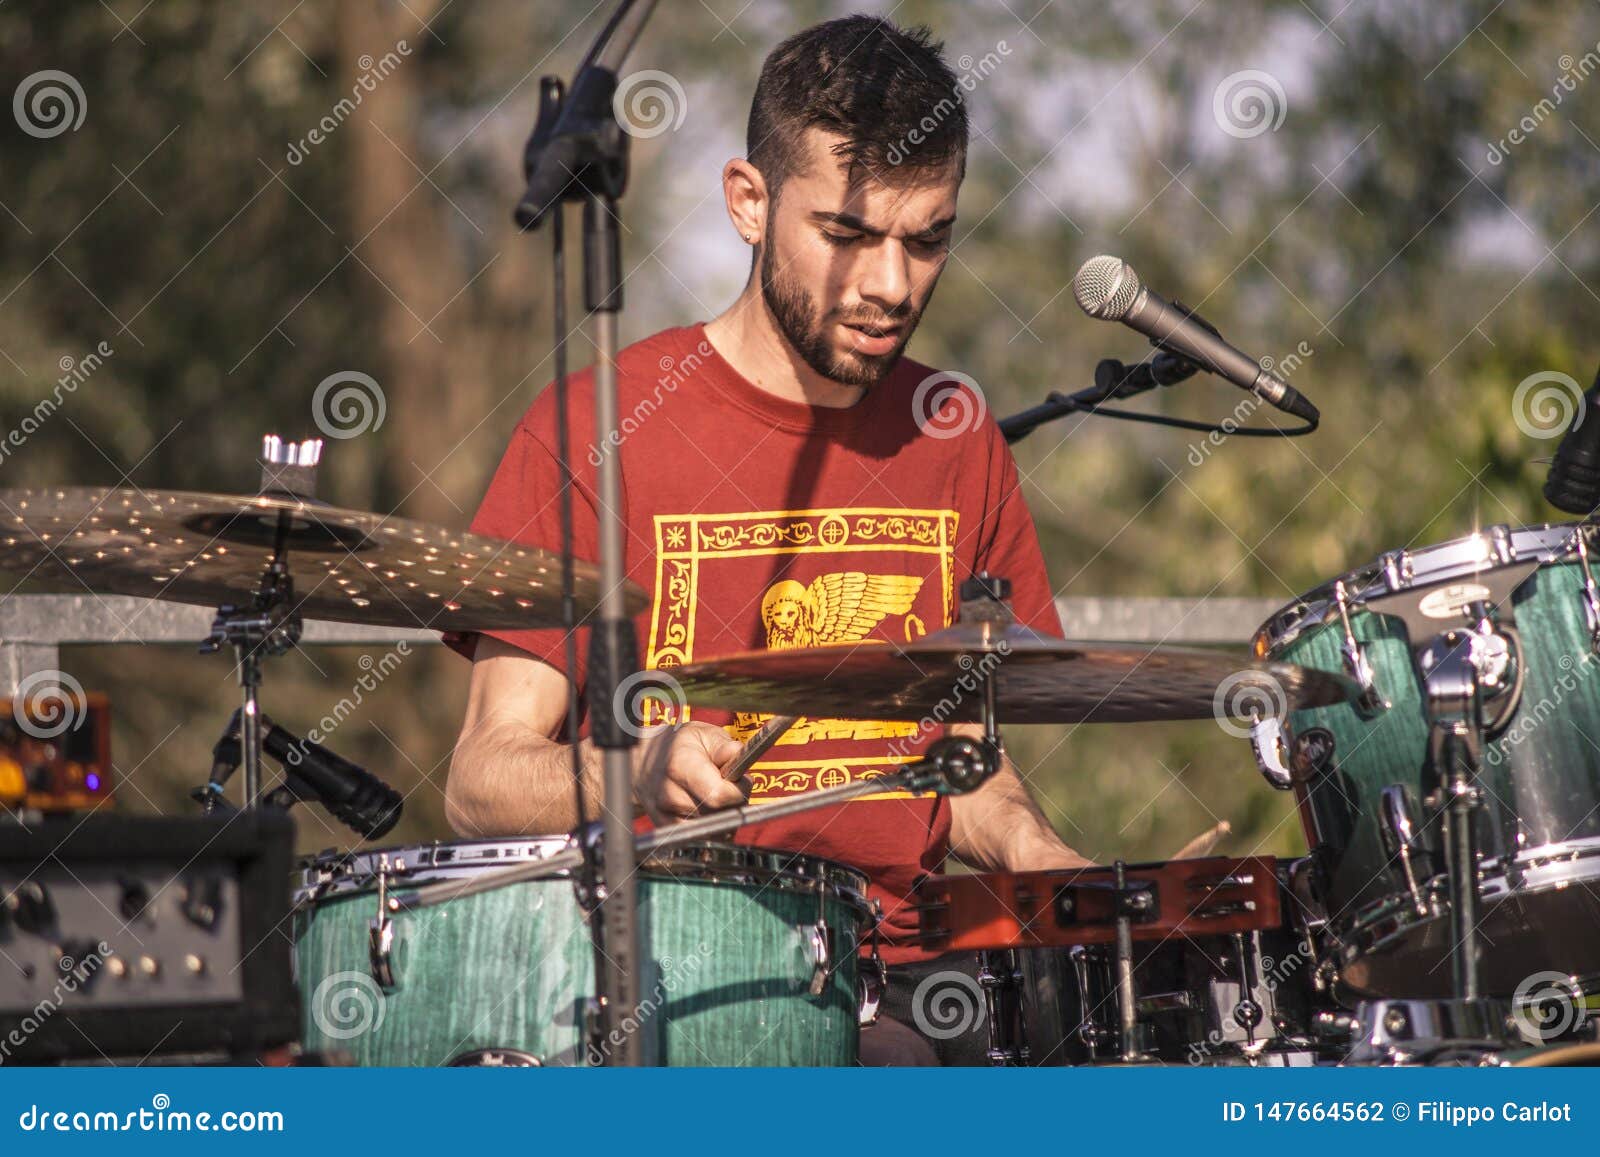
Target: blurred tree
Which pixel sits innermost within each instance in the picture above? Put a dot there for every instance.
(1357, 226)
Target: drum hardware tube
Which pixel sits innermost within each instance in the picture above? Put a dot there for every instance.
(1454, 706)
(951, 765)
(1126, 1012)
(1248, 1013)
(1000, 977)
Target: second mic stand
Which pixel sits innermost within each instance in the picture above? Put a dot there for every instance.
(1112, 380)
(579, 153)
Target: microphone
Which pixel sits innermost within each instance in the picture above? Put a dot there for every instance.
(1107, 288)
(1573, 484)
(354, 795)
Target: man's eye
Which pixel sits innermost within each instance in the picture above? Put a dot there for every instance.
(840, 238)
(931, 244)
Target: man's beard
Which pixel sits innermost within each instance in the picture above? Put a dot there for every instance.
(799, 321)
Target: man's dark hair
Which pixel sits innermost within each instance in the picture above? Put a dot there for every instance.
(886, 90)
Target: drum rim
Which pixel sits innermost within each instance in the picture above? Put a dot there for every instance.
(1366, 930)
(333, 874)
(1436, 562)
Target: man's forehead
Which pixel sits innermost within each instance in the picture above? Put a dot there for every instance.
(828, 184)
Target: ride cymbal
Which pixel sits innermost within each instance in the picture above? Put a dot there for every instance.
(348, 565)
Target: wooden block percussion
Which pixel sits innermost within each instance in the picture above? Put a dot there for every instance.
(998, 910)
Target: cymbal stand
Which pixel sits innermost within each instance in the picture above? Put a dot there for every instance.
(270, 623)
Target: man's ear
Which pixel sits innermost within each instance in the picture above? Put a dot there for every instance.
(745, 191)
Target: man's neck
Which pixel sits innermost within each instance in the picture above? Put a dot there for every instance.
(748, 338)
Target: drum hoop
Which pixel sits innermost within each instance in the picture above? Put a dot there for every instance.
(333, 874)
(1546, 542)
(1364, 930)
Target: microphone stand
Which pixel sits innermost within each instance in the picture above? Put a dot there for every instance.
(579, 153)
(1112, 379)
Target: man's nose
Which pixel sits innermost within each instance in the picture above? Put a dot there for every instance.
(886, 276)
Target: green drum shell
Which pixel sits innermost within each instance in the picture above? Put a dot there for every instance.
(1540, 774)
(730, 961)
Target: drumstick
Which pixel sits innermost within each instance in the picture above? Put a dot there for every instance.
(1203, 843)
(757, 745)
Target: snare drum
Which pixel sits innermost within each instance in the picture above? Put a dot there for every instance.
(1221, 966)
(1359, 770)
(750, 959)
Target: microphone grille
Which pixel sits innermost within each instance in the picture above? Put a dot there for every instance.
(1105, 287)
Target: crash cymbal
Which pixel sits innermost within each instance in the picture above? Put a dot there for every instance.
(1038, 679)
(348, 565)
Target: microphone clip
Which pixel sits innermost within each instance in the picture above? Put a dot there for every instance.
(577, 149)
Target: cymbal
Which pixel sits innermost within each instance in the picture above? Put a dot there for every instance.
(1038, 679)
(348, 565)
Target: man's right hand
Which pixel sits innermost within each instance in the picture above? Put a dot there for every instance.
(677, 772)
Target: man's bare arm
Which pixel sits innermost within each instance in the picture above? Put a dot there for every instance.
(510, 776)
(999, 827)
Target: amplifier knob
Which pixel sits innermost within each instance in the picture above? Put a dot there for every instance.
(117, 967)
(30, 907)
(149, 965)
(135, 899)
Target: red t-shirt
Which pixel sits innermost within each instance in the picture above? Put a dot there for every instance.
(756, 522)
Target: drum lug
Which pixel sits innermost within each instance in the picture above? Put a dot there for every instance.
(1269, 739)
(1397, 570)
(874, 985)
(822, 958)
(821, 938)
(1354, 657)
(1402, 837)
(380, 934)
(1591, 592)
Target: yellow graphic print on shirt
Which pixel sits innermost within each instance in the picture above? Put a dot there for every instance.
(837, 607)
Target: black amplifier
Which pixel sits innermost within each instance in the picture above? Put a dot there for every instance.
(126, 937)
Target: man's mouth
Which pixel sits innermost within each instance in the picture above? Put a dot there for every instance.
(872, 337)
